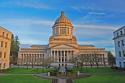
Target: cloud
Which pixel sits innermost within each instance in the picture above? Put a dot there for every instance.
(98, 35)
(97, 13)
(102, 5)
(27, 21)
(95, 26)
(94, 32)
(26, 3)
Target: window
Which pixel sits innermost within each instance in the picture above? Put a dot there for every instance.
(124, 64)
(63, 31)
(119, 53)
(121, 32)
(7, 35)
(68, 30)
(118, 43)
(62, 59)
(59, 60)
(0, 54)
(124, 53)
(1, 43)
(3, 34)
(122, 41)
(65, 59)
(4, 54)
(117, 34)
(5, 44)
(0, 65)
(120, 65)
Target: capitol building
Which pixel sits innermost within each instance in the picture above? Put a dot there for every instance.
(62, 48)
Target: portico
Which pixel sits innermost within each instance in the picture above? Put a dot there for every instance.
(61, 55)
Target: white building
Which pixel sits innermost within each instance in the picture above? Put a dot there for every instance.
(119, 40)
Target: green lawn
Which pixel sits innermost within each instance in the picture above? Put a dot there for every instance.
(27, 71)
(98, 75)
(101, 75)
(22, 79)
(16, 75)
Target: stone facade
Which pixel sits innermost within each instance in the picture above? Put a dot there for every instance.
(62, 47)
(119, 40)
(5, 42)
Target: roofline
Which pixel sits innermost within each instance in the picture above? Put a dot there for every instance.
(119, 29)
(87, 45)
(5, 29)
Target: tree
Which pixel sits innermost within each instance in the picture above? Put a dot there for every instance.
(82, 59)
(74, 60)
(111, 59)
(47, 61)
(14, 49)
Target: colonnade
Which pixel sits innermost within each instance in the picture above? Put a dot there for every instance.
(61, 56)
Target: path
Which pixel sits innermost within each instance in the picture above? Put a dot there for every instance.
(62, 69)
(62, 80)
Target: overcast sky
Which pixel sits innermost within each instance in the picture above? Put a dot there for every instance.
(94, 20)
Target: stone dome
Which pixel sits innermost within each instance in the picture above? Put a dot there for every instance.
(62, 20)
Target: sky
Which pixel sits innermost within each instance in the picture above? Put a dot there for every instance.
(94, 20)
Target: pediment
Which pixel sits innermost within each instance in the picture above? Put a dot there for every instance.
(63, 47)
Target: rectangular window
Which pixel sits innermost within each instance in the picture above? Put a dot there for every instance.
(4, 54)
(1, 44)
(121, 32)
(0, 65)
(124, 64)
(119, 53)
(63, 31)
(5, 44)
(118, 43)
(122, 41)
(0, 54)
(117, 34)
(124, 53)
(120, 65)
(7, 35)
(3, 34)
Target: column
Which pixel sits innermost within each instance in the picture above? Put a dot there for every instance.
(50, 53)
(57, 55)
(53, 56)
(67, 53)
(61, 56)
(71, 52)
(64, 56)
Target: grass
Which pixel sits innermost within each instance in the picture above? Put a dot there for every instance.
(98, 75)
(16, 75)
(101, 75)
(22, 79)
(27, 71)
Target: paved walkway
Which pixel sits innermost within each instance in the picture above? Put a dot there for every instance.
(61, 81)
(62, 69)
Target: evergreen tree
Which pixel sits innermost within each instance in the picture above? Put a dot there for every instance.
(14, 49)
(111, 59)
